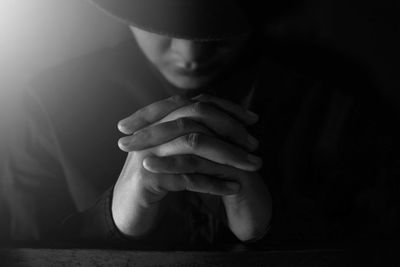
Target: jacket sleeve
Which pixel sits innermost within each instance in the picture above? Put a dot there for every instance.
(33, 188)
(186, 222)
(35, 194)
(35, 197)
(43, 208)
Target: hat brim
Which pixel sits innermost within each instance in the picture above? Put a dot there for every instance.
(186, 19)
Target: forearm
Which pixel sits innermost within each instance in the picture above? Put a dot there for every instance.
(132, 218)
(96, 226)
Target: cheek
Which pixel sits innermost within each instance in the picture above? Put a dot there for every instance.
(158, 51)
(154, 47)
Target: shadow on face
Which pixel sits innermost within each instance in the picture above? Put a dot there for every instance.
(188, 64)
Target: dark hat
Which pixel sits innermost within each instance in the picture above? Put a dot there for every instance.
(186, 19)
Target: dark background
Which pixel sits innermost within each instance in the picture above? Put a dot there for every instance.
(37, 34)
(353, 42)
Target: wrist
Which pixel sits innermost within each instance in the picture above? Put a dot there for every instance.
(133, 218)
(249, 213)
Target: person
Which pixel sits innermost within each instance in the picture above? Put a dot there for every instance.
(200, 168)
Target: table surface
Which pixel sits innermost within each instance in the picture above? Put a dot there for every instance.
(236, 256)
(96, 257)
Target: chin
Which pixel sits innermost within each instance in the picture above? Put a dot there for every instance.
(190, 83)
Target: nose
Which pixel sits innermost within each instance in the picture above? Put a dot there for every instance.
(190, 52)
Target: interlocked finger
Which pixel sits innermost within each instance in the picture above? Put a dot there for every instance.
(195, 183)
(161, 133)
(218, 121)
(246, 116)
(152, 113)
(210, 148)
(188, 164)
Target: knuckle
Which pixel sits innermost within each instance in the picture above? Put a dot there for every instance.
(187, 181)
(203, 97)
(199, 107)
(185, 124)
(192, 140)
(138, 118)
(154, 184)
(142, 113)
(181, 123)
(157, 187)
(178, 98)
(144, 134)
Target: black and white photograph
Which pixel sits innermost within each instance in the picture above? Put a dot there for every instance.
(199, 133)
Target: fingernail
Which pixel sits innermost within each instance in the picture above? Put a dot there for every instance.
(121, 127)
(122, 144)
(253, 115)
(150, 164)
(252, 141)
(254, 160)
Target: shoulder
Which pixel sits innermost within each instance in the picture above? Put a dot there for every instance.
(88, 71)
(84, 86)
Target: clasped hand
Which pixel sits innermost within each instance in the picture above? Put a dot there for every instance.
(199, 145)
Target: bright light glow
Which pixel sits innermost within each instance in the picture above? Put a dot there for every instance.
(37, 34)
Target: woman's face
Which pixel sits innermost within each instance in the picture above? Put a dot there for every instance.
(188, 64)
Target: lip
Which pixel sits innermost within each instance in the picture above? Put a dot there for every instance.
(200, 70)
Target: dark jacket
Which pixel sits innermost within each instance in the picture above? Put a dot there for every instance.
(329, 154)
